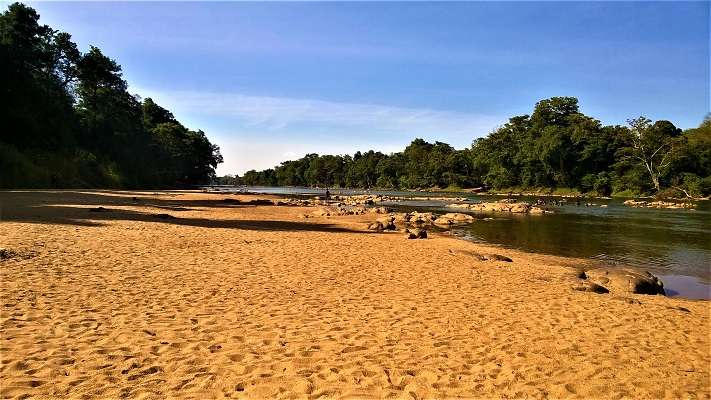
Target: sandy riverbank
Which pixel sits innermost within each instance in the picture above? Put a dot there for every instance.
(222, 300)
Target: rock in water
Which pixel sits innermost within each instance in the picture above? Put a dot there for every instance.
(441, 221)
(458, 217)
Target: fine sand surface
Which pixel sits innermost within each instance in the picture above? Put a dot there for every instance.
(243, 301)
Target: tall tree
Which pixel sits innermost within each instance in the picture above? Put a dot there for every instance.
(652, 145)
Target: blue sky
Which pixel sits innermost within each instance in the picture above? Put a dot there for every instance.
(273, 81)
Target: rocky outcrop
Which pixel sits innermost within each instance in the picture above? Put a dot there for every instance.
(453, 218)
(619, 281)
(503, 206)
(658, 204)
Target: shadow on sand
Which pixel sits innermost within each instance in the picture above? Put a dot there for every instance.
(72, 208)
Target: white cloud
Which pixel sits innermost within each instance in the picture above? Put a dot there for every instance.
(243, 155)
(260, 131)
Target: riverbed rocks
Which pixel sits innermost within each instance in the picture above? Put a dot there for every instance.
(421, 218)
(619, 281)
(658, 204)
(453, 218)
(503, 206)
(387, 223)
(415, 233)
(361, 199)
(292, 202)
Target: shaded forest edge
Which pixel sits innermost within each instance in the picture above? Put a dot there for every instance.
(555, 150)
(69, 121)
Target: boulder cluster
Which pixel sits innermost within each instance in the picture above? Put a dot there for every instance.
(657, 204)
(453, 218)
(413, 223)
(340, 209)
(503, 206)
(362, 199)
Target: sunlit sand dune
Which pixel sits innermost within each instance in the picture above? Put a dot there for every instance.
(185, 295)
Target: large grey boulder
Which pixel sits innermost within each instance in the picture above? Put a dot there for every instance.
(624, 280)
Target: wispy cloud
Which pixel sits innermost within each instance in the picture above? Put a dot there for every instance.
(261, 131)
(273, 114)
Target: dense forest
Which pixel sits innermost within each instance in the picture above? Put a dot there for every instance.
(555, 149)
(69, 121)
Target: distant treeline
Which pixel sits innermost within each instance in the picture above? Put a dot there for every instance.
(69, 121)
(555, 148)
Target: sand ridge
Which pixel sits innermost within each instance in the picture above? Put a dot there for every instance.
(241, 301)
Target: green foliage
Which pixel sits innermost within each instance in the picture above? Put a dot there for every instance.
(69, 121)
(556, 150)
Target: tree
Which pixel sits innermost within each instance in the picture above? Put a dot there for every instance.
(652, 145)
(68, 119)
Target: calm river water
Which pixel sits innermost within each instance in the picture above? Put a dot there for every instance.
(673, 244)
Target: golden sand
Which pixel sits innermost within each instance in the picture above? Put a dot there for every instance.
(242, 301)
